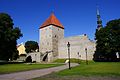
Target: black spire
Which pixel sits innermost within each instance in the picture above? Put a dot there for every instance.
(99, 21)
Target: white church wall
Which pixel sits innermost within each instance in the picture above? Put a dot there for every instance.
(77, 44)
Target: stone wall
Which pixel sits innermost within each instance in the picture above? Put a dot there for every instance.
(49, 37)
(35, 56)
(57, 34)
(77, 44)
(45, 39)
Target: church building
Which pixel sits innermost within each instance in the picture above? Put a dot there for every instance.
(53, 44)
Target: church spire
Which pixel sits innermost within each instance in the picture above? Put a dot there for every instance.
(99, 21)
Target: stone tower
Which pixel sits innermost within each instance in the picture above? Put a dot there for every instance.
(99, 21)
(51, 31)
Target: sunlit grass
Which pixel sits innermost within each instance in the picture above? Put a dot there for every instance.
(72, 60)
(93, 68)
(92, 71)
(8, 68)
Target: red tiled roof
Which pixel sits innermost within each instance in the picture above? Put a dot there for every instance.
(52, 20)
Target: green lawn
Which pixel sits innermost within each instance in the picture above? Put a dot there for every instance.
(93, 68)
(99, 70)
(63, 60)
(8, 68)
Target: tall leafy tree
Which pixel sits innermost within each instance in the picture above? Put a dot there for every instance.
(31, 46)
(108, 41)
(8, 37)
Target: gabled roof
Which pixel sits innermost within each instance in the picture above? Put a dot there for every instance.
(20, 45)
(52, 20)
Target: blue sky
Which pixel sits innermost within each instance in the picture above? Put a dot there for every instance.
(77, 16)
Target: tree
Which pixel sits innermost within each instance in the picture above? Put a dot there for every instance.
(108, 41)
(15, 55)
(8, 37)
(31, 46)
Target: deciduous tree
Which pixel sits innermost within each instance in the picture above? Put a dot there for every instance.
(31, 46)
(8, 37)
(108, 41)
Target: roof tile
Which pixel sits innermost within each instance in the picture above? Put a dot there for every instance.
(52, 20)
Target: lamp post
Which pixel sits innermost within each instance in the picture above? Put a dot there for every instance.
(68, 45)
(86, 56)
(78, 58)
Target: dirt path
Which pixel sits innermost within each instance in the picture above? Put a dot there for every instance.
(33, 73)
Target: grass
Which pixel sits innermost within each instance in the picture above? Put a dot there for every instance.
(73, 60)
(9, 68)
(99, 70)
(94, 68)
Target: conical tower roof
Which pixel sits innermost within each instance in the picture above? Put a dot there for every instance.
(52, 20)
(99, 21)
